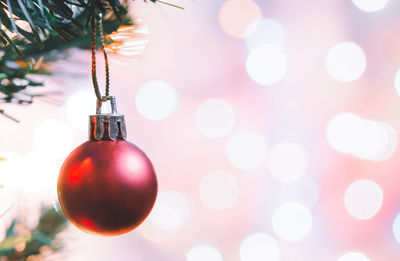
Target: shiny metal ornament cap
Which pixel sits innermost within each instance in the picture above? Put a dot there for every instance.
(107, 126)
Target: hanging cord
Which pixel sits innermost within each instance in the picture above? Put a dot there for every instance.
(94, 77)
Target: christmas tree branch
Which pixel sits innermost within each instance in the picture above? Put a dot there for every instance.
(22, 243)
(30, 29)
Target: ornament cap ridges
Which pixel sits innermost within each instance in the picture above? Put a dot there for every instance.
(107, 126)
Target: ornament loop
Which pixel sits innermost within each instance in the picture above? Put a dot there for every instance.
(112, 101)
(107, 69)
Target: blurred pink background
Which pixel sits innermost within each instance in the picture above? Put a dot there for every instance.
(272, 126)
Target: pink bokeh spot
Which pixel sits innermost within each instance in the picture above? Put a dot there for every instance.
(236, 16)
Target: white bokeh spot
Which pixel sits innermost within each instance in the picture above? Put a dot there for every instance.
(215, 118)
(169, 214)
(353, 256)
(246, 150)
(370, 6)
(202, 253)
(266, 64)
(346, 61)
(218, 190)
(363, 199)
(156, 100)
(259, 247)
(266, 31)
(292, 221)
(287, 161)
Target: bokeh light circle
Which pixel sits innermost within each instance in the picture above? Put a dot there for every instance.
(266, 64)
(202, 253)
(363, 138)
(169, 214)
(292, 221)
(215, 118)
(156, 100)
(370, 5)
(353, 256)
(287, 161)
(396, 228)
(246, 150)
(79, 106)
(259, 247)
(391, 142)
(218, 190)
(346, 61)
(379, 141)
(363, 199)
(236, 15)
(53, 137)
(266, 31)
(344, 132)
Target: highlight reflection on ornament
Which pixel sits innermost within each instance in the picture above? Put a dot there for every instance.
(129, 40)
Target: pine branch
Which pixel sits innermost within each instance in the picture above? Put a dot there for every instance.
(44, 18)
(21, 243)
(30, 29)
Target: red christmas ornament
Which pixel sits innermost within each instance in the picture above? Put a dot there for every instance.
(107, 185)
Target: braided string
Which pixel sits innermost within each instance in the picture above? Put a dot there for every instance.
(107, 69)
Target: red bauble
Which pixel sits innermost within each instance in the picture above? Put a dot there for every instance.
(107, 187)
